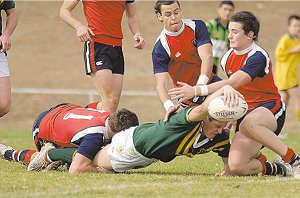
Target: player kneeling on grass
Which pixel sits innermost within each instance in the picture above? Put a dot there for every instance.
(71, 126)
(188, 132)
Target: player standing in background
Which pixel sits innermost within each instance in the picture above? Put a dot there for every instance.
(5, 44)
(218, 31)
(249, 70)
(287, 64)
(182, 52)
(103, 36)
(72, 126)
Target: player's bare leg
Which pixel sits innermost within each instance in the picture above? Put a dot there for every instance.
(5, 95)
(109, 87)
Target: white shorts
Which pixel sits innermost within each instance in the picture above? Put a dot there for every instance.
(4, 71)
(123, 155)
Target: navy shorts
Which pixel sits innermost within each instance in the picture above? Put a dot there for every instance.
(98, 56)
(279, 115)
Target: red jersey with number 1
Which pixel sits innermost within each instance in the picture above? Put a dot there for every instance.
(67, 124)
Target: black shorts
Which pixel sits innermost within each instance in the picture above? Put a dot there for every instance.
(279, 115)
(98, 56)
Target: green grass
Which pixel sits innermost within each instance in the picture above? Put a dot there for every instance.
(183, 177)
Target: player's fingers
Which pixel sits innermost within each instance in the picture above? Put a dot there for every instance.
(181, 83)
(91, 32)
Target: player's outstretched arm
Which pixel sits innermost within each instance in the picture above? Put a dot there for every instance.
(200, 112)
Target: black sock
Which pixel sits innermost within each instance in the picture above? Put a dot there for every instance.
(274, 169)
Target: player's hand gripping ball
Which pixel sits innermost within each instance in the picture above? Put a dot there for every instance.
(219, 111)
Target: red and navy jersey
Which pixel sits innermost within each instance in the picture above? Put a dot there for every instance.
(177, 53)
(68, 124)
(104, 18)
(256, 63)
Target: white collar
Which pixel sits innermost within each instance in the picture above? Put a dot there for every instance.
(175, 33)
(245, 50)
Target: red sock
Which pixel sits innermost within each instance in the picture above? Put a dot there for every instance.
(28, 156)
(92, 105)
(288, 156)
(262, 158)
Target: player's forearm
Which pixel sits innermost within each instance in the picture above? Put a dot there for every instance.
(163, 96)
(11, 22)
(134, 24)
(206, 56)
(207, 65)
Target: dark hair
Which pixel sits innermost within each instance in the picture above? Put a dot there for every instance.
(226, 3)
(122, 119)
(249, 22)
(296, 17)
(159, 3)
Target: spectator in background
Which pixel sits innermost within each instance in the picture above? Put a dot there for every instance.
(287, 64)
(5, 44)
(103, 53)
(218, 31)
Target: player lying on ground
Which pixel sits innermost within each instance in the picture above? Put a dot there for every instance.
(70, 125)
(190, 131)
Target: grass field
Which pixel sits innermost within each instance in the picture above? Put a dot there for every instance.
(183, 177)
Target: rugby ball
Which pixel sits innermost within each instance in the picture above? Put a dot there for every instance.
(219, 111)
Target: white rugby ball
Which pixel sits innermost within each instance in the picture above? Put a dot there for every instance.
(219, 111)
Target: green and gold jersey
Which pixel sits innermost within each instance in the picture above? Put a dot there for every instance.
(219, 39)
(179, 136)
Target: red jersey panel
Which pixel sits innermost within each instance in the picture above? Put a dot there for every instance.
(66, 124)
(104, 18)
(256, 63)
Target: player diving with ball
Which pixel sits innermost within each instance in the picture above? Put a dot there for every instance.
(188, 132)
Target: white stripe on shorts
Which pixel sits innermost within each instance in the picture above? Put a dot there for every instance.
(87, 56)
(279, 113)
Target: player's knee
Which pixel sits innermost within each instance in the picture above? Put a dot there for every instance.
(247, 126)
(236, 167)
(4, 108)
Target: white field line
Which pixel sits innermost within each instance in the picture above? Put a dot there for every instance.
(154, 184)
(89, 92)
